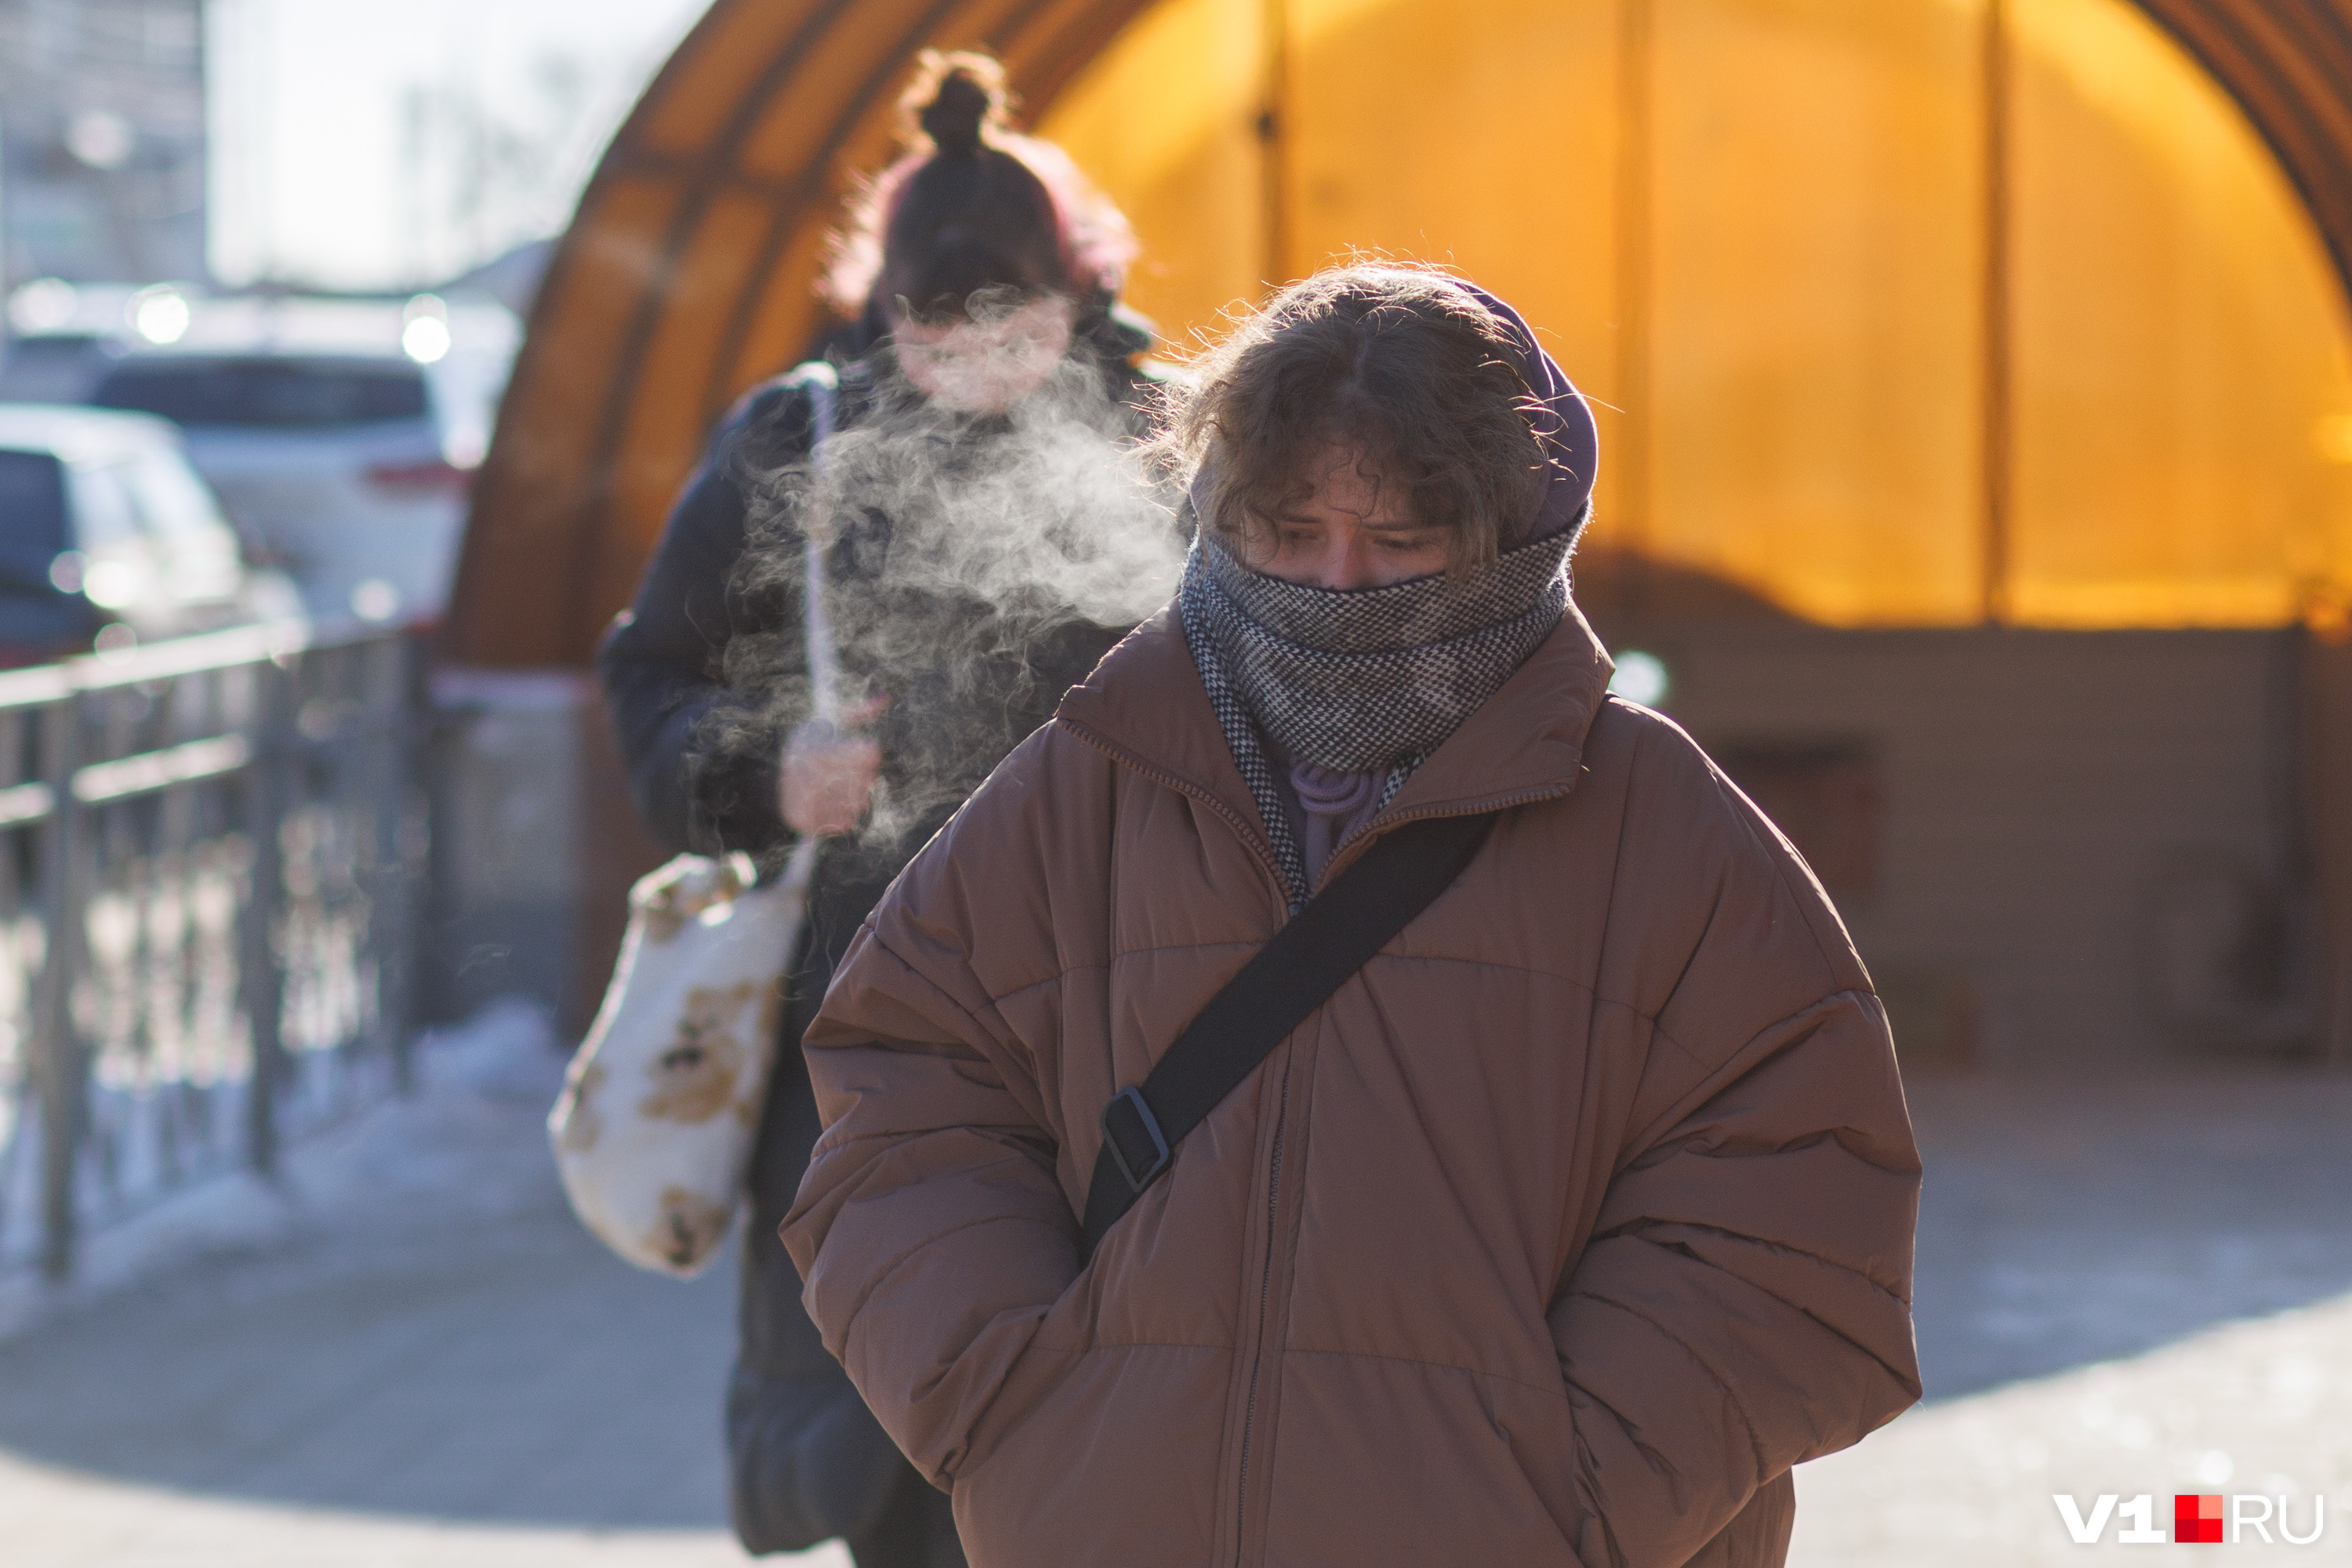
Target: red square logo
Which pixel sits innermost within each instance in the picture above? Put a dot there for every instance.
(2197, 1517)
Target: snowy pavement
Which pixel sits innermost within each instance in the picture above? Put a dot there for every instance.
(2132, 1291)
(409, 1356)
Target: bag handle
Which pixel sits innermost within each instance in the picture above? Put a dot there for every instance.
(822, 386)
(1334, 936)
(819, 381)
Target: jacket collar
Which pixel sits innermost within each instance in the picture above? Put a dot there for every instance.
(1145, 706)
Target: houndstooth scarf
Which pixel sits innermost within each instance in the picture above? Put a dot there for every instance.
(1357, 679)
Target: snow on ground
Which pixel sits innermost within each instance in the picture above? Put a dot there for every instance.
(2263, 1406)
(404, 1354)
(452, 1140)
(2137, 1285)
(407, 1353)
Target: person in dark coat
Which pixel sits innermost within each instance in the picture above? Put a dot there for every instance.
(984, 270)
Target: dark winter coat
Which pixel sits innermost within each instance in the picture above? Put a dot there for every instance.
(806, 1460)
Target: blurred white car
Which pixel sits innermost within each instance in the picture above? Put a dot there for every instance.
(108, 537)
(341, 435)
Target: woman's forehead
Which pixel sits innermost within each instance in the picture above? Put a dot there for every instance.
(1347, 478)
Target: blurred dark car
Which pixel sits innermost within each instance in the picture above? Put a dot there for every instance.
(108, 537)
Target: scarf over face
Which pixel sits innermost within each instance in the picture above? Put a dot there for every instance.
(1328, 681)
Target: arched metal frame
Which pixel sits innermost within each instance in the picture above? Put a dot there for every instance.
(661, 301)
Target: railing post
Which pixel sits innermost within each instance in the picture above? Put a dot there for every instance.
(61, 1067)
(262, 974)
(392, 737)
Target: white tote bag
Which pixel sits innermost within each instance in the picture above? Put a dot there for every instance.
(654, 1130)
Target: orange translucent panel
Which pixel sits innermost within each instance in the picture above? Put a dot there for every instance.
(1485, 137)
(1814, 325)
(1167, 120)
(2183, 387)
(1759, 231)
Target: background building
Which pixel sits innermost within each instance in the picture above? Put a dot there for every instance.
(102, 171)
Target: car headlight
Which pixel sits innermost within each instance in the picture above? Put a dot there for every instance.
(111, 584)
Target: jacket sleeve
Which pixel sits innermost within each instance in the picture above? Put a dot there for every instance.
(1743, 1303)
(661, 660)
(931, 1229)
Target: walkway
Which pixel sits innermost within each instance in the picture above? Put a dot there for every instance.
(2134, 1288)
(419, 1362)
(419, 1359)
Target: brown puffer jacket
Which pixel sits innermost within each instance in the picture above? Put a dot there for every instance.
(1556, 1236)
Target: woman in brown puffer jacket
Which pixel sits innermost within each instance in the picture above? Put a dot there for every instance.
(1558, 1234)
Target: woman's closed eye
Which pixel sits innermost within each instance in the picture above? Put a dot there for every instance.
(1404, 539)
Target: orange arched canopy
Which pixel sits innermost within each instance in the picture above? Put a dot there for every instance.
(684, 276)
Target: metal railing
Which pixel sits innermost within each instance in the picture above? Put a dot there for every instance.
(209, 851)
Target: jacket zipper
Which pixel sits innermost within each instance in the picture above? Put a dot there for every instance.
(1264, 1298)
(1265, 854)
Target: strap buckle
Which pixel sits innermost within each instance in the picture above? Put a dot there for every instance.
(1134, 1128)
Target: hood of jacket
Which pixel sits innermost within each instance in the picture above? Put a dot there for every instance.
(1563, 421)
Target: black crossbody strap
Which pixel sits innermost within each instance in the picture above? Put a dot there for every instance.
(1334, 936)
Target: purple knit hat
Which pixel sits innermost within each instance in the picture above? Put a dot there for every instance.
(1561, 421)
(1562, 424)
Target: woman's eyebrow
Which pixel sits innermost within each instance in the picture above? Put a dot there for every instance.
(1286, 515)
(1294, 518)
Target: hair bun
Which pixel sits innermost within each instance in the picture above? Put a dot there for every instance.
(960, 106)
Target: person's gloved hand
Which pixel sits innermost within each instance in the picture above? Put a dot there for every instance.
(827, 777)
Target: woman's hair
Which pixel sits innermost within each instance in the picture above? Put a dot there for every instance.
(972, 205)
(1395, 364)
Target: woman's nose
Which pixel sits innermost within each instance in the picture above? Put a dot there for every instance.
(1348, 561)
